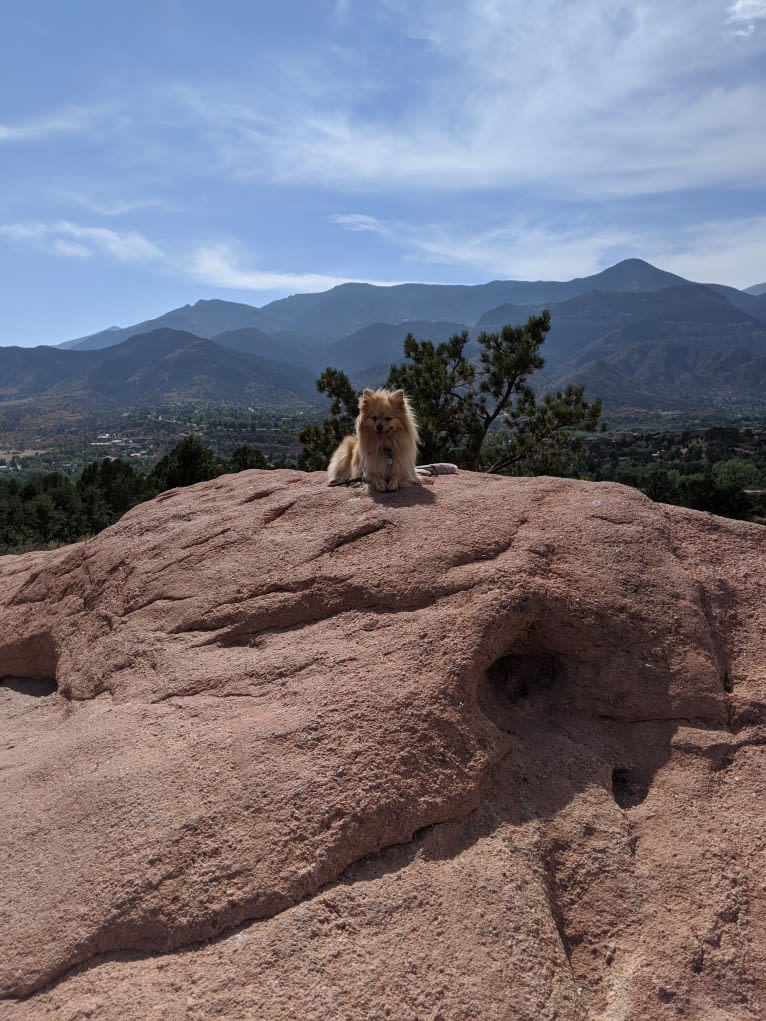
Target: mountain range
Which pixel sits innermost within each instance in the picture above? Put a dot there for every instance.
(635, 335)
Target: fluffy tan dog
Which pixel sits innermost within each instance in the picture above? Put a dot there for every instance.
(384, 449)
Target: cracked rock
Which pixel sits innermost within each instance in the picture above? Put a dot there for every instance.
(490, 747)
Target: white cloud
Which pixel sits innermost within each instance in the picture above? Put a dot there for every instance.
(70, 249)
(69, 239)
(360, 223)
(580, 100)
(216, 264)
(23, 231)
(516, 249)
(125, 247)
(745, 14)
(71, 121)
(117, 207)
(220, 265)
(715, 251)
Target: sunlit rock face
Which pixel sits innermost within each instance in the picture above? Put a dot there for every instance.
(486, 748)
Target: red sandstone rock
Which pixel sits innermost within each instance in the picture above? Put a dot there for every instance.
(490, 748)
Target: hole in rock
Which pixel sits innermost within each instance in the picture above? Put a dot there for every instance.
(518, 676)
(512, 678)
(30, 664)
(723, 759)
(35, 687)
(627, 788)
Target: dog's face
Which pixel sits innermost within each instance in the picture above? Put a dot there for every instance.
(382, 414)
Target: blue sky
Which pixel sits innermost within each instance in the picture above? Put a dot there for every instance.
(154, 153)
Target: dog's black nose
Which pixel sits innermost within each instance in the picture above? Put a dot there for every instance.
(379, 427)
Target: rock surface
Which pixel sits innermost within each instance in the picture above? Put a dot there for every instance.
(489, 748)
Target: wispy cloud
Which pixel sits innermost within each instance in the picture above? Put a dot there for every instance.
(360, 223)
(216, 264)
(714, 251)
(221, 265)
(520, 248)
(118, 207)
(581, 101)
(72, 240)
(70, 121)
(70, 249)
(539, 248)
(744, 14)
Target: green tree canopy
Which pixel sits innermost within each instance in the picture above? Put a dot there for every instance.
(246, 457)
(736, 473)
(188, 462)
(50, 509)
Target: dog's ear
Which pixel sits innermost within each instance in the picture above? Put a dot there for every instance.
(366, 397)
(397, 398)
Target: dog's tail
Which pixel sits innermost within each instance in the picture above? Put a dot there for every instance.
(440, 468)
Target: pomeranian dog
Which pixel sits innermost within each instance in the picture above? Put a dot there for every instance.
(384, 449)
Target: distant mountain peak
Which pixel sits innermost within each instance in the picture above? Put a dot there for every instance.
(634, 275)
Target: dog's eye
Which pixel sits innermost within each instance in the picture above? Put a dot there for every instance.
(389, 418)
